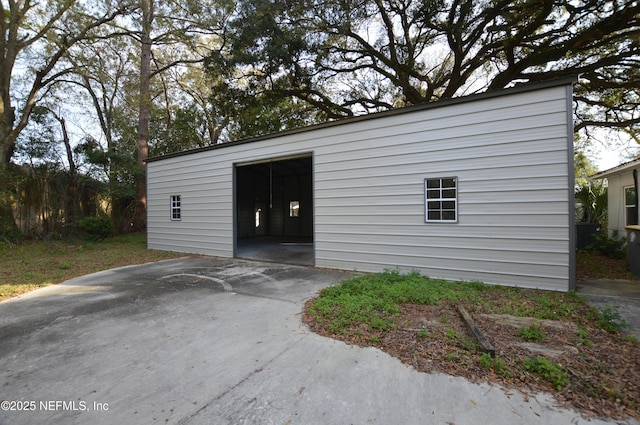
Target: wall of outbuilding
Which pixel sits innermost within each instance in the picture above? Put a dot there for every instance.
(511, 153)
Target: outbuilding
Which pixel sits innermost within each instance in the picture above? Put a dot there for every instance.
(472, 188)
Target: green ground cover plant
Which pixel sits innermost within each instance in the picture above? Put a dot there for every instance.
(551, 371)
(416, 319)
(610, 320)
(35, 264)
(373, 300)
(495, 364)
(533, 333)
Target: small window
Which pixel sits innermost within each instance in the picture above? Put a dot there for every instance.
(294, 209)
(630, 206)
(176, 213)
(441, 199)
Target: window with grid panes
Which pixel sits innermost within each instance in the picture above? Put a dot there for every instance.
(176, 211)
(441, 199)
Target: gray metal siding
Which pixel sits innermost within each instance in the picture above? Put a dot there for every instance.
(509, 154)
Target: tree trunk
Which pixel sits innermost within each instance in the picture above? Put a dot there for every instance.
(7, 141)
(72, 204)
(7, 112)
(8, 228)
(144, 113)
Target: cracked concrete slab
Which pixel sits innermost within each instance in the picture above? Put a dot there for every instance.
(169, 343)
(621, 295)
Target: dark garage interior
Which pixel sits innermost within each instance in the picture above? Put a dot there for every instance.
(274, 210)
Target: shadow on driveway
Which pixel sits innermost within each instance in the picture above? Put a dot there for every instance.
(210, 341)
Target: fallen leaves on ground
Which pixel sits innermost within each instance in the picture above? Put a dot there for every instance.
(603, 368)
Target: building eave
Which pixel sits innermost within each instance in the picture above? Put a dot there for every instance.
(619, 169)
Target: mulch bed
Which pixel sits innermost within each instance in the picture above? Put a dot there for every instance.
(595, 265)
(603, 369)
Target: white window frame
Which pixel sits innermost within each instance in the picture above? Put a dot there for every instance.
(628, 207)
(294, 209)
(438, 199)
(175, 208)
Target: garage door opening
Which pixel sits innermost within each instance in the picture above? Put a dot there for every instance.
(274, 210)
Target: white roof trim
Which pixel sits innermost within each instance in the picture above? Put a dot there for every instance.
(617, 169)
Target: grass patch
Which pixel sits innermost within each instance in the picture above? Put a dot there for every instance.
(495, 364)
(533, 333)
(36, 264)
(416, 319)
(550, 371)
(373, 300)
(450, 357)
(582, 337)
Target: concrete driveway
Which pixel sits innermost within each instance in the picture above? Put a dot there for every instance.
(209, 341)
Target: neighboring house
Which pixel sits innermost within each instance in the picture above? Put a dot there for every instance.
(622, 200)
(472, 188)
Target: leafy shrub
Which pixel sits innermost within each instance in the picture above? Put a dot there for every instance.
(9, 233)
(552, 372)
(612, 247)
(592, 201)
(496, 364)
(96, 228)
(610, 320)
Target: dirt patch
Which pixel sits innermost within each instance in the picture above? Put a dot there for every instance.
(595, 265)
(603, 369)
